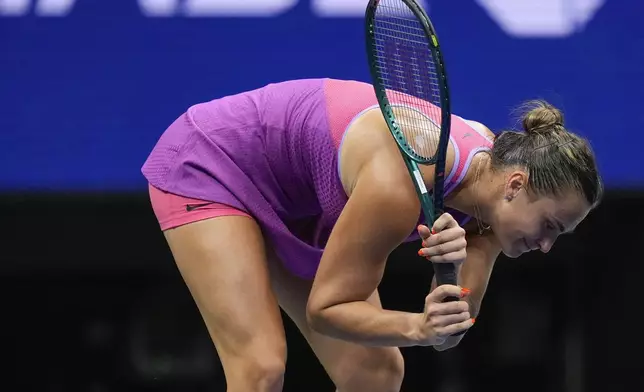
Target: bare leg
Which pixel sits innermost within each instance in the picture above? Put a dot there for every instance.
(223, 262)
(351, 367)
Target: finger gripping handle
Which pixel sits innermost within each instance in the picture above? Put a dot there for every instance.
(446, 274)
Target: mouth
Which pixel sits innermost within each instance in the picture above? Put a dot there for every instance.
(527, 247)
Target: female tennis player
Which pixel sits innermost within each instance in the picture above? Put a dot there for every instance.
(293, 195)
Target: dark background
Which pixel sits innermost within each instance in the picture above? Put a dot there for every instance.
(90, 297)
(92, 302)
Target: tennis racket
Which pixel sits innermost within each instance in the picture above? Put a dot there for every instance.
(409, 79)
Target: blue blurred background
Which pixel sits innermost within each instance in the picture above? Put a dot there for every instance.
(88, 86)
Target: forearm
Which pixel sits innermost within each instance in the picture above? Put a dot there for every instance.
(476, 277)
(363, 323)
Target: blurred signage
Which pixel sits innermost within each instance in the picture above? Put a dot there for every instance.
(519, 18)
(86, 87)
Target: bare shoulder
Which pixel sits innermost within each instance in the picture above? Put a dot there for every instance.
(367, 140)
(481, 128)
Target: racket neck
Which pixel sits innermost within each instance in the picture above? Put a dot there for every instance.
(426, 202)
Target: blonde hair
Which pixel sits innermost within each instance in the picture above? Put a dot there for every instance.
(556, 159)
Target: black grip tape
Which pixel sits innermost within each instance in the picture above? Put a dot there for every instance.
(446, 274)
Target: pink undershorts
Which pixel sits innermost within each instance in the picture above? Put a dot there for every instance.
(173, 210)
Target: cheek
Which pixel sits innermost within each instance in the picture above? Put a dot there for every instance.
(506, 230)
(512, 220)
(518, 222)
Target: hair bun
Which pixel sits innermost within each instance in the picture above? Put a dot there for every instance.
(542, 118)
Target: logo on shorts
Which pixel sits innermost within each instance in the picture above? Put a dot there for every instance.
(192, 207)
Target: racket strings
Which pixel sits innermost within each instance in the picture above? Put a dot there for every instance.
(408, 73)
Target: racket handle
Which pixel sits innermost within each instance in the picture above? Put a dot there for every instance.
(446, 274)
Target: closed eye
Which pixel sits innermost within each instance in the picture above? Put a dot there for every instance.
(562, 228)
(556, 225)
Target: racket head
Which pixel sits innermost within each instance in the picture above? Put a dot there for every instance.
(410, 82)
(409, 77)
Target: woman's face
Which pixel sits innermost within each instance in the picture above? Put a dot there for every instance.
(524, 221)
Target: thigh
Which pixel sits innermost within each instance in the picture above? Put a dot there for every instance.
(223, 262)
(352, 367)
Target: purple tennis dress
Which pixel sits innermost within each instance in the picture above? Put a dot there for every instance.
(273, 153)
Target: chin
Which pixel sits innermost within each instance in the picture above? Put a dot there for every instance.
(512, 253)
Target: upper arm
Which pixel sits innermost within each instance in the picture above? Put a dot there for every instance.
(380, 214)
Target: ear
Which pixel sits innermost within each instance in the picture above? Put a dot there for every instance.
(516, 181)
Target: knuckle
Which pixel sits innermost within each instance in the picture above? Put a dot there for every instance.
(453, 291)
(462, 315)
(439, 249)
(448, 235)
(440, 290)
(456, 293)
(456, 234)
(427, 242)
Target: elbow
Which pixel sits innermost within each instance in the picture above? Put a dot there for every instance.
(316, 317)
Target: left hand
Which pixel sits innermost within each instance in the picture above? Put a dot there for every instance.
(445, 243)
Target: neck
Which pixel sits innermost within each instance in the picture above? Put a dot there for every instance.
(475, 193)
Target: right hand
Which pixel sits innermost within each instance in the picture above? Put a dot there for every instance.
(443, 319)
(445, 243)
